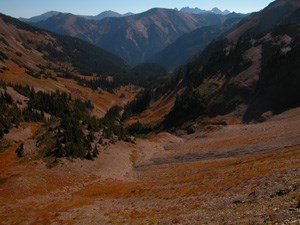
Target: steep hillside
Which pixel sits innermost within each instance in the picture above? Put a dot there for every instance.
(277, 12)
(135, 37)
(257, 70)
(48, 48)
(33, 57)
(62, 83)
(189, 44)
(256, 75)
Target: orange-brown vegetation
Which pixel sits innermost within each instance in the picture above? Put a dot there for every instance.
(157, 110)
(102, 100)
(26, 62)
(160, 180)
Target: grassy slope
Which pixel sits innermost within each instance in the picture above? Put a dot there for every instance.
(31, 45)
(211, 190)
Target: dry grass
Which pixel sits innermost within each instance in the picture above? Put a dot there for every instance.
(102, 101)
(112, 189)
(170, 191)
(180, 191)
(157, 111)
(17, 75)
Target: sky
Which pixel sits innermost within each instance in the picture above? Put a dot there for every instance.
(29, 8)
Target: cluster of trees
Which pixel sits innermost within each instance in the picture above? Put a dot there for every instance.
(3, 56)
(205, 96)
(74, 133)
(148, 75)
(139, 129)
(278, 87)
(71, 140)
(138, 105)
(11, 115)
(145, 75)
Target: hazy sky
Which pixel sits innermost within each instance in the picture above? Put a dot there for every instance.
(28, 8)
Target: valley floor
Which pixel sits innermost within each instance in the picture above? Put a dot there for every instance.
(235, 174)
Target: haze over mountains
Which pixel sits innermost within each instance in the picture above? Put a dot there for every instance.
(45, 48)
(100, 16)
(189, 44)
(110, 13)
(134, 38)
(93, 140)
(202, 11)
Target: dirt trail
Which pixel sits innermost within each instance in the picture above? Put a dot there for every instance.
(239, 174)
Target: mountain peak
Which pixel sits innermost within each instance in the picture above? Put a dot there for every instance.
(41, 17)
(133, 34)
(216, 10)
(196, 10)
(226, 12)
(193, 10)
(104, 14)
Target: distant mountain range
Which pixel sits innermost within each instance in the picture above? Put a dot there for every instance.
(189, 44)
(110, 13)
(136, 37)
(100, 16)
(105, 14)
(202, 11)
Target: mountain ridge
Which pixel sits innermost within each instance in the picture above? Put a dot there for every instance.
(265, 19)
(238, 70)
(111, 13)
(189, 44)
(135, 37)
(52, 49)
(49, 14)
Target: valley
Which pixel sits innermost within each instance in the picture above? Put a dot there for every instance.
(166, 116)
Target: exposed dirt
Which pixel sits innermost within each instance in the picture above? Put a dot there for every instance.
(236, 174)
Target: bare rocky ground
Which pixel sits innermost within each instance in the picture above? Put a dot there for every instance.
(234, 174)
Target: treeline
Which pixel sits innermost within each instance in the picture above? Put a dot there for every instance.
(145, 75)
(96, 83)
